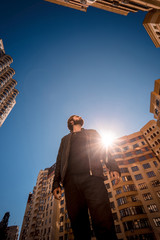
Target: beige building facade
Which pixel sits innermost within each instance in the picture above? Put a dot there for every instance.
(134, 201)
(155, 101)
(8, 93)
(123, 7)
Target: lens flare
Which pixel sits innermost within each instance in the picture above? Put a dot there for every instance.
(107, 138)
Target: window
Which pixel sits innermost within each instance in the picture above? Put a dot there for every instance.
(157, 221)
(128, 188)
(147, 196)
(150, 155)
(107, 185)
(121, 201)
(112, 205)
(128, 154)
(155, 183)
(143, 143)
(61, 238)
(124, 170)
(138, 176)
(152, 208)
(147, 165)
(62, 202)
(142, 158)
(132, 160)
(133, 140)
(109, 194)
(118, 191)
(131, 211)
(115, 217)
(135, 145)
(136, 224)
(135, 168)
(126, 148)
(118, 228)
(61, 210)
(142, 186)
(155, 163)
(61, 229)
(138, 151)
(158, 194)
(61, 219)
(126, 178)
(151, 174)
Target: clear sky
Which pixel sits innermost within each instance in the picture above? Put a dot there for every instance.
(99, 65)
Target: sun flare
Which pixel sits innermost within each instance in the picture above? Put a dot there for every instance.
(107, 138)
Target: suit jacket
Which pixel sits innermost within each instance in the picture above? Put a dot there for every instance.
(96, 152)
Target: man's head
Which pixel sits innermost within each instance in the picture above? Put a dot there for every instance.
(74, 120)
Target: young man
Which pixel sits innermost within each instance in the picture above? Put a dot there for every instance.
(79, 169)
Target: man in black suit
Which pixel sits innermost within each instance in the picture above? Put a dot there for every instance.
(79, 169)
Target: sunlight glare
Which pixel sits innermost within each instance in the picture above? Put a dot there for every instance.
(107, 138)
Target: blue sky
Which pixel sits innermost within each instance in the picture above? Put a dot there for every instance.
(99, 65)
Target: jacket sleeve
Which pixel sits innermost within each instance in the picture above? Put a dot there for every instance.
(57, 177)
(111, 163)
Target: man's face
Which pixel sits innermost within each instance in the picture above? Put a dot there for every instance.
(76, 120)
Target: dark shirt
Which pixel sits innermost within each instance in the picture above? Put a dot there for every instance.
(78, 161)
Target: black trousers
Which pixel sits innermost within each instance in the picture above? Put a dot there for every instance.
(83, 192)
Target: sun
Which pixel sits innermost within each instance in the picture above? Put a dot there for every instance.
(107, 138)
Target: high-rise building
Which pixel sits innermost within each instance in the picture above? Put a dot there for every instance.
(8, 92)
(134, 201)
(152, 19)
(152, 26)
(155, 101)
(12, 233)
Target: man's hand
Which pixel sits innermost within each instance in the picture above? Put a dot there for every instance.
(57, 193)
(116, 176)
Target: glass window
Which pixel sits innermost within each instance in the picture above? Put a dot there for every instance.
(138, 176)
(124, 170)
(133, 140)
(126, 148)
(61, 229)
(157, 221)
(142, 186)
(158, 194)
(136, 145)
(118, 228)
(147, 196)
(151, 174)
(112, 205)
(138, 151)
(135, 168)
(152, 208)
(121, 201)
(155, 163)
(126, 178)
(155, 183)
(147, 165)
(132, 160)
(142, 158)
(110, 194)
(128, 154)
(129, 187)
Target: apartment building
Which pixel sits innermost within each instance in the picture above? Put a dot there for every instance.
(12, 233)
(155, 101)
(40, 218)
(8, 93)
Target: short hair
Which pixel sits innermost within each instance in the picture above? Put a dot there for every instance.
(70, 126)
